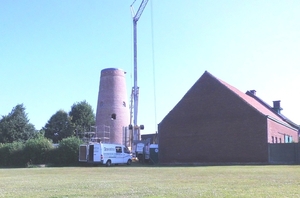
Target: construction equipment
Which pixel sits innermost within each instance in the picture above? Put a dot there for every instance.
(135, 91)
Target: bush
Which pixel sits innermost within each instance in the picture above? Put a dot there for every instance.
(40, 151)
(67, 152)
(11, 154)
(37, 150)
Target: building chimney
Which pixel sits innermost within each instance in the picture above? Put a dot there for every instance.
(253, 92)
(276, 106)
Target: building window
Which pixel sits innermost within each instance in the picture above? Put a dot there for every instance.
(289, 139)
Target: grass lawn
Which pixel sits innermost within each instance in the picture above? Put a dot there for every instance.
(148, 181)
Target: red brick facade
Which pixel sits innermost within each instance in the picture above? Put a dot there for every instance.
(279, 133)
(214, 124)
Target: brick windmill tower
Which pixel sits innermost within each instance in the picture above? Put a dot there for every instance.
(112, 116)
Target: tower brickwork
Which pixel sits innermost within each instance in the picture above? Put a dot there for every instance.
(112, 114)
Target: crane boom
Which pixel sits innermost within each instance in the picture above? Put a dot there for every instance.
(140, 10)
(135, 17)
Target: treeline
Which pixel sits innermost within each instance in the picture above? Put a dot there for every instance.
(22, 145)
(16, 126)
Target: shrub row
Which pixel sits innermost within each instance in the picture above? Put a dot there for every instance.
(40, 151)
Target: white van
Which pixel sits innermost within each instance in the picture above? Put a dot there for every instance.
(104, 153)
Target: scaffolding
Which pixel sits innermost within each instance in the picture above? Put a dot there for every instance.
(104, 135)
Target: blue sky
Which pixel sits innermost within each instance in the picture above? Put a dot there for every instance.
(52, 52)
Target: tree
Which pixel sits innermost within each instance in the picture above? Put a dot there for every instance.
(36, 150)
(68, 151)
(82, 116)
(15, 126)
(59, 126)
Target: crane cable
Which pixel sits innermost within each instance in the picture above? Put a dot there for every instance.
(153, 66)
(133, 3)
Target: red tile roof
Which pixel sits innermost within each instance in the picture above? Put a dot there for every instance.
(253, 102)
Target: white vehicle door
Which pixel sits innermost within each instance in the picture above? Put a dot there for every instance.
(126, 154)
(97, 154)
(119, 155)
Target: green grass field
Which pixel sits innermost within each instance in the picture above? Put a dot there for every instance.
(147, 181)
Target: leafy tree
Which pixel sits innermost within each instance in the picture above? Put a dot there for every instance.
(82, 116)
(59, 126)
(15, 126)
(36, 150)
(68, 151)
(11, 154)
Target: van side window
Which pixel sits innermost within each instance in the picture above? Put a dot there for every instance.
(126, 150)
(118, 149)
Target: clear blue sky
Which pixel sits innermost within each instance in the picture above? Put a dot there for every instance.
(52, 52)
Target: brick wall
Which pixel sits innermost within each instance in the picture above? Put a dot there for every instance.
(278, 133)
(211, 124)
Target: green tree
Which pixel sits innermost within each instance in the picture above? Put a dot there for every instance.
(59, 126)
(37, 149)
(12, 155)
(82, 116)
(15, 126)
(68, 151)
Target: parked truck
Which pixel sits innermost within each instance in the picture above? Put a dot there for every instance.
(104, 153)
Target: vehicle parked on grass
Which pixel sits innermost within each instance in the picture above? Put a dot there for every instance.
(104, 153)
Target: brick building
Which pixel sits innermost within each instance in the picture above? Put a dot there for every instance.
(216, 123)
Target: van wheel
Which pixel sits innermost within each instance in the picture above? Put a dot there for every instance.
(129, 162)
(108, 163)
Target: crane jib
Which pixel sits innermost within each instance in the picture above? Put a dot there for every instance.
(140, 10)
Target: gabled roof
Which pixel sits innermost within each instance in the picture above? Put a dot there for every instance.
(258, 104)
(249, 93)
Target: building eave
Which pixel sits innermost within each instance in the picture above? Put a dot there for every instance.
(282, 123)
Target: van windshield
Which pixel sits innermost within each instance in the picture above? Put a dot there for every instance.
(126, 150)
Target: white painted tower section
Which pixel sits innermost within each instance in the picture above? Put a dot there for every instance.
(112, 99)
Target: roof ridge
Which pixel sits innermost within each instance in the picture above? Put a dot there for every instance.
(283, 117)
(251, 101)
